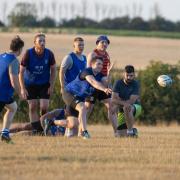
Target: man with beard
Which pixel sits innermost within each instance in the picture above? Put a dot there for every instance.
(37, 78)
(126, 99)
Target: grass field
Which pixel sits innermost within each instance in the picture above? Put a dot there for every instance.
(138, 51)
(154, 155)
(97, 31)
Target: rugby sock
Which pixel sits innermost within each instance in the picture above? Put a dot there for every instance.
(37, 126)
(5, 131)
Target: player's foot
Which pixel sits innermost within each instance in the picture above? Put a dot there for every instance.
(69, 132)
(5, 137)
(133, 133)
(85, 135)
(47, 126)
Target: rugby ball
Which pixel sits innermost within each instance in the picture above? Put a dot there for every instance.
(164, 80)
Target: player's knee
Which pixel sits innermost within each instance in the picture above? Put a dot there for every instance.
(13, 108)
(82, 108)
(125, 109)
(32, 107)
(73, 124)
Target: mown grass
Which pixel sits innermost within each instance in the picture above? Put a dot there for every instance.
(96, 31)
(154, 155)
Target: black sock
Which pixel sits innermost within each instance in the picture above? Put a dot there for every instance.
(36, 126)
(122, 127)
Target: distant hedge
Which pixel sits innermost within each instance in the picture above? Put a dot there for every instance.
(159, 104)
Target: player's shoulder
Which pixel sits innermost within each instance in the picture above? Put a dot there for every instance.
(92, 54)
(119, 81)
(88, 71)
(49, 51)
(136, 82)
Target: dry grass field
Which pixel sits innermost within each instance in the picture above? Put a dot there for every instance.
(155, 155)
(124, 50)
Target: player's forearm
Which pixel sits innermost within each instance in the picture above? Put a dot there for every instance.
(15, 83)
(21, 80)
(53, 77)
(98, 85)
(61, 78)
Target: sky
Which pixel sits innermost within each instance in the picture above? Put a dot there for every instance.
(99, 9)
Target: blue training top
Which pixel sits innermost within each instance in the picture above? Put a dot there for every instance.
(77, 67)
(6, 89)
(80, 86)
(38, 69)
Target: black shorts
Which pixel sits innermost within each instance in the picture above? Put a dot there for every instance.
(72, 112)
(98, 95)
(38, 91)
(2, 104)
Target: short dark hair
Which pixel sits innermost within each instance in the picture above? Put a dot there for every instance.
(129, 69)
(78, 39)
(16, 44)
(39, 35)
(94, 59)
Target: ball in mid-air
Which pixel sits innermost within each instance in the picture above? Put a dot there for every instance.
(164, 80)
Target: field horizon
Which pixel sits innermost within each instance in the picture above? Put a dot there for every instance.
(154, 155)
(138, 51)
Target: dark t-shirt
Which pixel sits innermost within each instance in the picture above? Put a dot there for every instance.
(126, 90)
(87, 72)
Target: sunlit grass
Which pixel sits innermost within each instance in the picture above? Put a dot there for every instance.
(154, 155)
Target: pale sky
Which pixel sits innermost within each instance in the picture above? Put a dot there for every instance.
(105, 8)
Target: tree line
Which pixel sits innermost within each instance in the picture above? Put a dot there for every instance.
(25, 15)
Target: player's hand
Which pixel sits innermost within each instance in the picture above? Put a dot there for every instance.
(50, 90)
(23, 94)
(108, 91)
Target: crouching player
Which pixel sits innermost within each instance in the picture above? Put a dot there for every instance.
(82, 87)
(126, 102)
(59, 121)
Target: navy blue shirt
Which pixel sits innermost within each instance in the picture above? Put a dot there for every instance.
(37, 67)
(89, 71)
(126, 90)
(80, 86)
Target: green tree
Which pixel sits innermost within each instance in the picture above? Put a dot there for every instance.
(161, 24)
(23, 15)
(138, 23)
(160, 103)
(47, 22)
